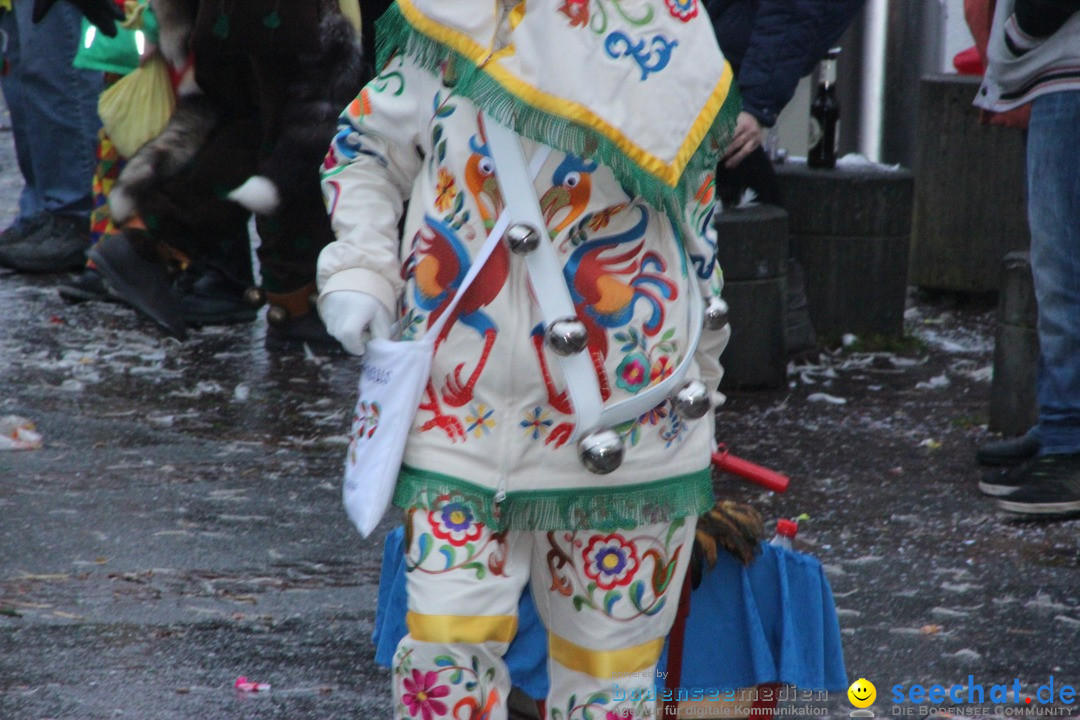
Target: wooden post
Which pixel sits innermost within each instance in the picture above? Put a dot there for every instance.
(1013, 407)
(970, 199)
(752, 249)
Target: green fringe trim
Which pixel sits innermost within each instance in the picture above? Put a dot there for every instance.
(394, 34)
(571, 509)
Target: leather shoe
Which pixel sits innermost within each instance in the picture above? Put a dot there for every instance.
(140, 281)
(296, 332)
(207, 296)
(87, 286)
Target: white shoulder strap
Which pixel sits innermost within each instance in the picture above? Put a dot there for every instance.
(544, 268)
(553, 295)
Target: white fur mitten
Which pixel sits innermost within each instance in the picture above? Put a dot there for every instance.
(258, 194)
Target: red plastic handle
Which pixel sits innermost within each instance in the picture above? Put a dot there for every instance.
(758, 474)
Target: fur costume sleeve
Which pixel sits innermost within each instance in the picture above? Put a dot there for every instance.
(367, 177)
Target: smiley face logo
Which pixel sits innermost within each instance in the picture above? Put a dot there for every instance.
(862, 693)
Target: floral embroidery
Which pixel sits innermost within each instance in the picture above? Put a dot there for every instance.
(610, 560)
(445, 190)
(656, 415)
(420, 693)
(577, 11)
(537, 422)
(633, 372)
(453, 540)
(479, 419)
(624, 575)
(455, 524)
(682, 9)
(661, 368)
(674, 431)
(365, 423)
(361, 104)
(601, 219)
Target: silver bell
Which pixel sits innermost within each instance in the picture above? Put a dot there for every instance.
(522, 238)
(716, 314)
(601, 451)
(692, 400)
(567, 336)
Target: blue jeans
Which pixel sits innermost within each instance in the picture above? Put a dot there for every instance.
(53, 110)
(1053, 168)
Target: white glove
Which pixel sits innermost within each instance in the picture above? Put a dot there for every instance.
(352, 317)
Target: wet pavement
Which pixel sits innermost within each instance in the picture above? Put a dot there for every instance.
(182, 525)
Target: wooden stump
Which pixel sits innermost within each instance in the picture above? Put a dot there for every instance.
(850, 230)
(970, 199)
(1013, 407)
(752, 249)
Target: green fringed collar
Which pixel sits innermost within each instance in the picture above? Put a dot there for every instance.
(649, 95)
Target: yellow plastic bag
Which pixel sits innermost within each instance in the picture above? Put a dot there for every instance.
(137, 108)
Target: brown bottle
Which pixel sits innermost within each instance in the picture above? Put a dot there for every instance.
(824, 115)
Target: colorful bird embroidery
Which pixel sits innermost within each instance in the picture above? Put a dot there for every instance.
(571, 187)
(608, 278)
(440, 265)
(480, 180)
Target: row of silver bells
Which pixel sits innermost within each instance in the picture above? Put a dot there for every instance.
(601, 451)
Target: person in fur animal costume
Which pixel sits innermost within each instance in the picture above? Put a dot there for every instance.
(251, 125)
(621, 112)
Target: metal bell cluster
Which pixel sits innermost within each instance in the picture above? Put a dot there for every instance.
(601, 451)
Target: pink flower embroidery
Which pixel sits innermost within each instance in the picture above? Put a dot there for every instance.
(633, 372)
(420, 693)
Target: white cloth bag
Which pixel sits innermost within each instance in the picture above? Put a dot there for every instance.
(392, 381)
(393, 377)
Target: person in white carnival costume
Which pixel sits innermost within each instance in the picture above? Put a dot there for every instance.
(634, 102)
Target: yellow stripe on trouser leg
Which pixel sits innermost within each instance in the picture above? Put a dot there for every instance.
(471, 629)
(604, 664)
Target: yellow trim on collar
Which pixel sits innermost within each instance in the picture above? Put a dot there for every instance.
(604, 663)
(561, 107)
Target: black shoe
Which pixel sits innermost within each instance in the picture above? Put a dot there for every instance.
(1051, 487)
(1009, 452)
(294, 333)
(209, 297)
(87, 286)
(18, 230)
(58, 244)
(1000, 481)
(141, 282)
